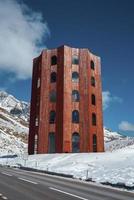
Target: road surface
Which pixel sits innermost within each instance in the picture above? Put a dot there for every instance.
(16, 184)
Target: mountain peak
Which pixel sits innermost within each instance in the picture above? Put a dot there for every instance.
(14, 106)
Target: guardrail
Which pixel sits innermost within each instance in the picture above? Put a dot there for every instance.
(46, 172)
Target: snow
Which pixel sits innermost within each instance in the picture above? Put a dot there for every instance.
(12, 123)
(112, 167)
(11, 104)
(109, 167)
(9, 144)
(13, 127)
(110, 135)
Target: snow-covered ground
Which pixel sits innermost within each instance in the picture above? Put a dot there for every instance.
(112, 167)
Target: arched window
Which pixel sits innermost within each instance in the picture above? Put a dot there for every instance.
(38, 83)
(75, 116)
(51, 142)
(75, 60)
(75, 142)
(93, 99)
(92, 64)
(94, 143)
(93, 119)
(53, 96)
(75, 95)
(93, 81)
(37, 121)
(52, 117)
(53, 60)
(75, 77)
(53, 77)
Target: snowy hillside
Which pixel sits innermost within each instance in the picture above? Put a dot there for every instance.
(13, 133)
(14, 106)
(13, 124)
(115, 141)
(109, 167)
(115, 167)
(10, 144)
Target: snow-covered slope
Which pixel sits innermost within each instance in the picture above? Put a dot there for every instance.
(14, 106)
(14, 116)
(109, 167)
(115, 167)
(115, 141)
(11, 144)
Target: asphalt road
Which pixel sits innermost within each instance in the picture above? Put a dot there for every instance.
(16, 184)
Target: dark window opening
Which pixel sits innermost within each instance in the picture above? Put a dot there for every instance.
(53, 60)
(75, 60)
(94, 143)
(52, 117)
(75, 116)
(93, 99)
(75, 77)
(75, 96)
(53, 96)
(93, 81)
(53, 77)
(93, 119)
(92, 65)
(51, 142)
(75, 142)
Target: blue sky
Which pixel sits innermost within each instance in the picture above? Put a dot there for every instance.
(105, 27)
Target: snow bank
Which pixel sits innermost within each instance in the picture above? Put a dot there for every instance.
(112, 167)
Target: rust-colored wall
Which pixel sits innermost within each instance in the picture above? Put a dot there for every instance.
(64, 128)
(33, 130)
(59, 105)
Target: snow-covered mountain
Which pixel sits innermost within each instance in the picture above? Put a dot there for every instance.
(115, 141)
(14, 115)
(14, 122)
(14, 106)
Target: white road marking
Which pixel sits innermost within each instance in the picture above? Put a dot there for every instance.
(73, 195)
(28, 181)
(4, 197)
(6, 174)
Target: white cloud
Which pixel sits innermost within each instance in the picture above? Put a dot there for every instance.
(126, 126)
(21, 34)
(108, 99)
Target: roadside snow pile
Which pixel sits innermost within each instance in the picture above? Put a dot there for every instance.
(115, 167)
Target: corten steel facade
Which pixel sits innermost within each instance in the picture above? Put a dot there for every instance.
(66, 102)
